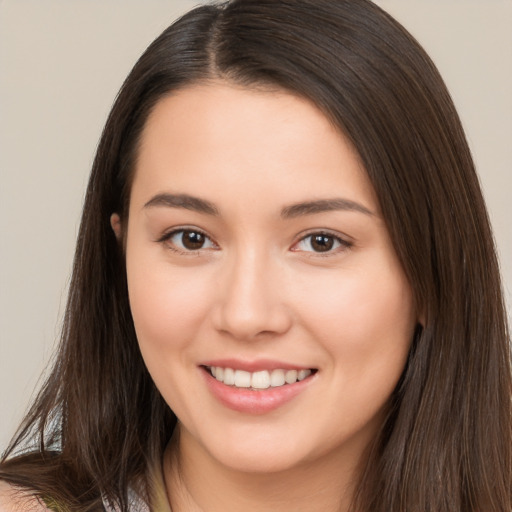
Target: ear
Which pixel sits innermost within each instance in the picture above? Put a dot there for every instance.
(117, 228)
(422, 318)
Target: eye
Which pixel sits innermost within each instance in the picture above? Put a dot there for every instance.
(187, 240)
(321, 243)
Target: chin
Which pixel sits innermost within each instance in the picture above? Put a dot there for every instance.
(248, 448)
(259, 461)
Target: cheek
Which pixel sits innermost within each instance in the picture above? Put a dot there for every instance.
(357, 303)
(168, 309)
(365, 328)
(365, 321)
(167, 304)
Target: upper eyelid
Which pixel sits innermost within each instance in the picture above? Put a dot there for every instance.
(172, 231)
(168, 234)
(343, 238)
(345, 242)
(328, 232)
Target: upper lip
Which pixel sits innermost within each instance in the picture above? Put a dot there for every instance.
(255, 365)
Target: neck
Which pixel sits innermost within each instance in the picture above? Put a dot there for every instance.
(196, 482)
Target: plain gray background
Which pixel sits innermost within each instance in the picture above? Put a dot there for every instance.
(61, 64)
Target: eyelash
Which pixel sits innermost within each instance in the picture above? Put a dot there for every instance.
(166, 239)
(342, 243)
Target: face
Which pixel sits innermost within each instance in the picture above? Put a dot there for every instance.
(269, 304)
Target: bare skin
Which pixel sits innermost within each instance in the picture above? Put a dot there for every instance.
(234, 193)
(293, 265)
(201, 488)
(12, 500)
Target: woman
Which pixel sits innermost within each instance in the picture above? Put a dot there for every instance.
(285, 292)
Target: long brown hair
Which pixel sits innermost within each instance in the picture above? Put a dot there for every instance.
(99, 423)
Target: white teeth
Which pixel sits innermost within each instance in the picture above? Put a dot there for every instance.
(303, 374)
(290, 376)
(258, 380)
(229, 376)
(242, 379)
(277, 378)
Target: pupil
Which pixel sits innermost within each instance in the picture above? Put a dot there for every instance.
(192, 240)
(322, 243)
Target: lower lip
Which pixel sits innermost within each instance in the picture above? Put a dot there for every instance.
(255, 401)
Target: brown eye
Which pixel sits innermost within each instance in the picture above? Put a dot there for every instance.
(322, 243)
(188, 240)
(192, 240)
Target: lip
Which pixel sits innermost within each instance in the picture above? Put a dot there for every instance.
(254, 366)
(254, 401)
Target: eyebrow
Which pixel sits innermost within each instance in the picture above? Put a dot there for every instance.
(183, 201)
(321, 206)
(199, 205)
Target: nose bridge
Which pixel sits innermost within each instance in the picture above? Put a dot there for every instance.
(251, 297)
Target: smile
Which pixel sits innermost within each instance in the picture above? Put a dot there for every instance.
(258, 380)
(255, 390)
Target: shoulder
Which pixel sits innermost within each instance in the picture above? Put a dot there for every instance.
(15, 500)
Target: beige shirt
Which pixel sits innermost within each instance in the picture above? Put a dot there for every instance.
(11, 500)
(159, 499)
(160, 495)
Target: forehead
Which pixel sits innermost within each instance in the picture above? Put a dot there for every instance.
(246, 140)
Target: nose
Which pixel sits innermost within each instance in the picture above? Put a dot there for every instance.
(250, 300)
